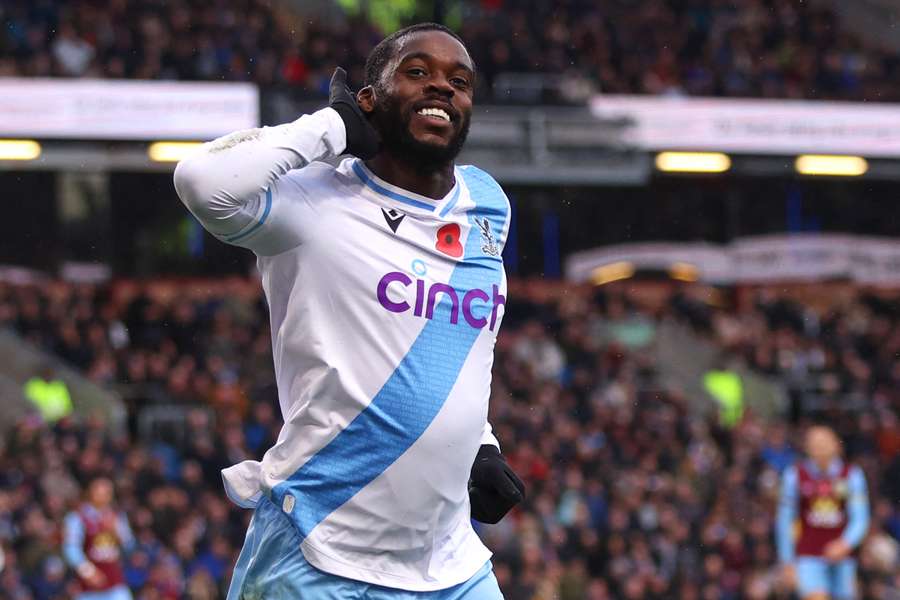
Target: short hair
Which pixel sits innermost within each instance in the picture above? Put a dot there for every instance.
(382, 54)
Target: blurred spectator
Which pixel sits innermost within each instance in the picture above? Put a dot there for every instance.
(50, 395)
(72, 54)
(728, 390)
(778, 452)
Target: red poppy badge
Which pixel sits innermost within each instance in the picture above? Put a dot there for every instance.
(448, 240)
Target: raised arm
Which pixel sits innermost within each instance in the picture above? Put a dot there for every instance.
(228, 183)
(231, 184)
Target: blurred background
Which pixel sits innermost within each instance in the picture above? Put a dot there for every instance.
(704, 258)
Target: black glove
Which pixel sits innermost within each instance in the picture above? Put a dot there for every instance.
(362, 139)
(493, 487)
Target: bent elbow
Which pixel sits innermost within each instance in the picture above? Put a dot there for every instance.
(189, 179)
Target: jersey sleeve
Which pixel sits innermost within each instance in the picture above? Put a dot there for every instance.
(243, 187)
(857, 508)
(488, 437)
(787, 514)
(73, 540)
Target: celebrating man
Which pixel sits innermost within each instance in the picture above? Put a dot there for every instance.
(386, 290)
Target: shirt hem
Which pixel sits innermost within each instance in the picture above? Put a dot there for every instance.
(234, 496)
(335, 566)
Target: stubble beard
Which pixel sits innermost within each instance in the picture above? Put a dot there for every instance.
(397, 140)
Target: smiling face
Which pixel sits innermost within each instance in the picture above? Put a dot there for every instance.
(422, 105)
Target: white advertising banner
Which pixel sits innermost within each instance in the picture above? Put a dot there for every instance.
(759, 259)
(755, 126)
(125, 110)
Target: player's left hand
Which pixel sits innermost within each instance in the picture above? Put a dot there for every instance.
(493, 486)
(836, 550)
(362, 139)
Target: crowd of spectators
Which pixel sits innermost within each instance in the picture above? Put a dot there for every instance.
(753, 48)
(847, 357)
(248, 40)
(632, 493)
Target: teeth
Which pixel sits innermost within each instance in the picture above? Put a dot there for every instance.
(434, 112)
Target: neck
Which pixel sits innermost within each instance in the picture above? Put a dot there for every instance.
(823, 465)
(434, 181)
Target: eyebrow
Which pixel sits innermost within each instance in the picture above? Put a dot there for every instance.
(427, 56)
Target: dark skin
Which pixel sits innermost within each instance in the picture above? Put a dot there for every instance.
(430, 70)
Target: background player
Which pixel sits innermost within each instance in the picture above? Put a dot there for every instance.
(823, 515)
(94, 538)
(386, 290)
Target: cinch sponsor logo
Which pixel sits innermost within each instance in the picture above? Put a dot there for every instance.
(427, 299)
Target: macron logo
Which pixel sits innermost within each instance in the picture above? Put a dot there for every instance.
(426, 299)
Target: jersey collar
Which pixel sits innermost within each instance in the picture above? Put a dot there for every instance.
(408, 199)
(834, 468)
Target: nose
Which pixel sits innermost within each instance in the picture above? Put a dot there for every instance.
(438, 83)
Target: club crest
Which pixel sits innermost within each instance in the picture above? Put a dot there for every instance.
(488, 243)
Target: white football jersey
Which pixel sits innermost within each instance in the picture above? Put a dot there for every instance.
(385, 307)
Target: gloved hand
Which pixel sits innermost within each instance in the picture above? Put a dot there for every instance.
(493, 486)
(362, 139)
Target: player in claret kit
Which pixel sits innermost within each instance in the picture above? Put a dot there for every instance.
(386, 289)
(823, 515)
(94, 538)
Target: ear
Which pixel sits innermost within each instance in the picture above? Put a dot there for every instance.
(366, 99)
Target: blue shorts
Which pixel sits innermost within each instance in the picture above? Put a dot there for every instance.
(271, 567)
(817, 575)
(120, 592)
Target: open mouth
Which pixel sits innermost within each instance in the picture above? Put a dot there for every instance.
(434, 113)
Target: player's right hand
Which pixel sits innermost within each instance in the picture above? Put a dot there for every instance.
(789, 576)
(362, 139)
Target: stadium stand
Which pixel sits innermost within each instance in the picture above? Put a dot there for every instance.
(632, 495)
(759, 48)
(235, 41)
